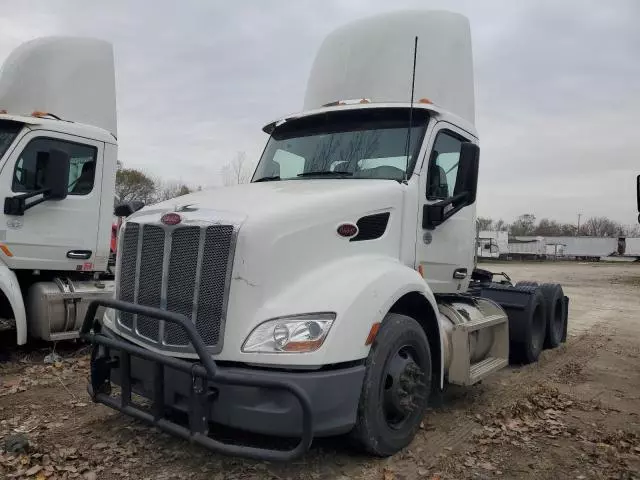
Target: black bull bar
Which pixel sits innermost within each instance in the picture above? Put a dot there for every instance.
(202, 374)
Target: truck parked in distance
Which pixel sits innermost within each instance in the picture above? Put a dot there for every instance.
(58, 154)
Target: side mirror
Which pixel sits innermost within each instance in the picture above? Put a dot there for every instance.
(468, 167)
(465, 190)
(127, 208)
(56, 175)
(54, 166)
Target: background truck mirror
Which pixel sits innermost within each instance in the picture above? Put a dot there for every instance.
(125, 209)
(56, 175)
(52, 170)
(468, 167)
(638, 195)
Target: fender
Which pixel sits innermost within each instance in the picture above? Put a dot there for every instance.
(11, 288)
(360, 290)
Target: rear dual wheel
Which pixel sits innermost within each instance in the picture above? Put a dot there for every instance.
(396, 387)
(556, 315)
(527, 330)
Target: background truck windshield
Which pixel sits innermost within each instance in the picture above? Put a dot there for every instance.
(367, 143)
(8, 132)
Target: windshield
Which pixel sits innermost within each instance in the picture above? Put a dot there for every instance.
(8, 132)
(370, 143)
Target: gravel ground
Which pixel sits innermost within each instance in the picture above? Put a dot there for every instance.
(574, 414)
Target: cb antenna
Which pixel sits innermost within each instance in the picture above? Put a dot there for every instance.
(413, 85)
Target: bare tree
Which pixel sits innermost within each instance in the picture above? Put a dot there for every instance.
(237, 171)
(484, 224)
(500, 226)
(524, 225)
(601, 227)
(168, 190)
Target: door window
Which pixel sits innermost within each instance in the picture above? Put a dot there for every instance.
(30, 167)
(443, 166)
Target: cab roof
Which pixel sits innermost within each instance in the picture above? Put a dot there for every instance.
(65, 126)
(434, 110)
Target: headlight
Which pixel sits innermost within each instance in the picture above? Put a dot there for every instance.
(295, 334)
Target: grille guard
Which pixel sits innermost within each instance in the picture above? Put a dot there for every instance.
(200, 399)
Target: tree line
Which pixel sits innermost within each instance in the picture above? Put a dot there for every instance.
(528, 225)
(132, 184)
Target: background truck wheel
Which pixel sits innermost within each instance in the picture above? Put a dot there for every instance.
(396, 387)
(554, 300)
(530, 327)
(527, 283)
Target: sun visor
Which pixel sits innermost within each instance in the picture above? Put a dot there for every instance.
(70, 77)
(373, 59)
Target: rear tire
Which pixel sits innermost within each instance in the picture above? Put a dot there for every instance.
(396, 387)
(554, 300)
(532, 328)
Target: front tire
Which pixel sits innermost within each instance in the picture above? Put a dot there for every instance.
(396, 387)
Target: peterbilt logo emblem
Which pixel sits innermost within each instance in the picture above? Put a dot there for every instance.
(171, 218)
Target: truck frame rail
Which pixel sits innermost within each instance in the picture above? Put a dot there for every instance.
(202, 395)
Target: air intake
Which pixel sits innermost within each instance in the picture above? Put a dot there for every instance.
(371, 227)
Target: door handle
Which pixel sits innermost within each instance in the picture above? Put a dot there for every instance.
(460, 273)
(79, 254)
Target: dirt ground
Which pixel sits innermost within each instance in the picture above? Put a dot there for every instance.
(574, 415)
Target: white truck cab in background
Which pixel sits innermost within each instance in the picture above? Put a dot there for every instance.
(58, 155)
(335, 293)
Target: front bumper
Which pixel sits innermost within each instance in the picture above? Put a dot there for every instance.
(274, 403)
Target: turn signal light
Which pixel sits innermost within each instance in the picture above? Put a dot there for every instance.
(372, 333)
(425, 100)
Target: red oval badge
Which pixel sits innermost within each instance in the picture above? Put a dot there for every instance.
(171, 218)
(347, 230)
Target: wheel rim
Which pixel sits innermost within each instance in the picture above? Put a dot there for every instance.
(403, 388)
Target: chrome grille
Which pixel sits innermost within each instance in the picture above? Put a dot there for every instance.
(182, 279)
(184, 269)
(128, 270)
(150, 278)
(217, 248)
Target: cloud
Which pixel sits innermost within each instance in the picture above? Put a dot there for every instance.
(557, 90)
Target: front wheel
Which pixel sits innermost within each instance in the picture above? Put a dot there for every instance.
(396, 387)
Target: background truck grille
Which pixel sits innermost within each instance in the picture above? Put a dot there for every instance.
(184, 270)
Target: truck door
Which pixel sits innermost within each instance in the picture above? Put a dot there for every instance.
(53, 235)
(445, 252)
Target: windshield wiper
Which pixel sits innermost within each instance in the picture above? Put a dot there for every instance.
(267, 179)
(327, 173)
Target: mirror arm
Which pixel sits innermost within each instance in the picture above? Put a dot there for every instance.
(457, 200)
(451, 200)
(17, 204)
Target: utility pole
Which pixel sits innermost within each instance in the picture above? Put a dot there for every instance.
(578, 231)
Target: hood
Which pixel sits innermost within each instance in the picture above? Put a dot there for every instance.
(282, 198)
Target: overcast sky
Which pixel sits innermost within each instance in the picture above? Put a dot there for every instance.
(557, 87)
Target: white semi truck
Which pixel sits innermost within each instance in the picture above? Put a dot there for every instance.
(58, 155)
(336, 292)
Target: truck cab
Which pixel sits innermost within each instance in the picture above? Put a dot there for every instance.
(58, 155)
(335, 293)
